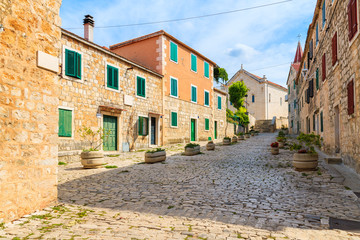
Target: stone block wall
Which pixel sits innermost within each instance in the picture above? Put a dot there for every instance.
(84, 97)
(28, 107)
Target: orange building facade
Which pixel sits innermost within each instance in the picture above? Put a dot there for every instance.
(188, 84)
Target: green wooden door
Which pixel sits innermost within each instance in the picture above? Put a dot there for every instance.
(110, 141)
(193, 130)
(215, 130)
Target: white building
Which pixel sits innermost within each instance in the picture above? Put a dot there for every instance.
(265, 99)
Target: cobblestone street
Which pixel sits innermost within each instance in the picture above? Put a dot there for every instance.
(236, 192)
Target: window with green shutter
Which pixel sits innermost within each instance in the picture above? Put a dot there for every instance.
(143, 126)
(207, 124)
(294, 85)
(140, 86)
(206, 70)
(193, 94)
(219, 102)
(112, 77)
(193, 63)
(174, 119)
(65, 123)
(72, 64)
(173, 52)
(174, 87)
(321, 122)
(317, 79)
(206, 98)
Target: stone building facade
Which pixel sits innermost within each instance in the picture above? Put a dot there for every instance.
(187, 84)
(30, 47)
(328, 85)
(265, 99)
(108, 92)
(294, 121)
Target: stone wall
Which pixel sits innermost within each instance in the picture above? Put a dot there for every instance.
(292, 96)
(28, 106)
(332, 93)
(85, 97)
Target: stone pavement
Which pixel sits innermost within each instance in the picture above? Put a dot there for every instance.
(236, 192)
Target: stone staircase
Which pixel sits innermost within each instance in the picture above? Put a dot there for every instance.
(264, 126)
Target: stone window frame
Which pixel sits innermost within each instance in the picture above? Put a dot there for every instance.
(192, 54)
(72, 121)
(204, 98)
(105, 81)
(63, 75)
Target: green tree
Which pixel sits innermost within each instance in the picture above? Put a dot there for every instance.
(237, 93)
(220, 74)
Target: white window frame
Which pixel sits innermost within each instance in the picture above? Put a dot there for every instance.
(177, 47)
(209, 70)
(64, 47)
(177, 120)
(177, 82)
(204, 98)
(105, 82)
(136, 86)
(191, 93)
(191, 54)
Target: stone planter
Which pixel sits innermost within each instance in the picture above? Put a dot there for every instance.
(93, 159)
(210, 146)
(226, 141)
(234, 139)
(247, 135)
(281, 144)
(252, 134)
(256, 134)
(274, 150)
(305, 161)
(241, 137)
(192, 151)
(155, 157)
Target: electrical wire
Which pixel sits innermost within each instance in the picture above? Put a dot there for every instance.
(190, 18)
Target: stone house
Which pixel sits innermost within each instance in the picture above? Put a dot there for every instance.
(294, 121)
(265, 99)
(330, 79)
(100, 89)
(30, 48)
(221, 127)
(187, 84)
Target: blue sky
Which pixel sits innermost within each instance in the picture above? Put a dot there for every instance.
(258, 38)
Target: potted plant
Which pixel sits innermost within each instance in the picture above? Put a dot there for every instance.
(234, 139)
(226, 141)
(210, 145)
(256, 133)
(156, 155)
(284, 129)
(92, 157)
(192, 149)
(252, 131)
(306, 157)
(281, 141)
(274, 148)
(241, 136)
(247, 135)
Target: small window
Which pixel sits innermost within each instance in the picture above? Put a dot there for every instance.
(207, 124)
(253, 98)
(292, 123)
(143, 126)
(351, 97)
(324, 67)
(219, 102)
(317, 34)
(193, 94)
(206, 98)
(65, 123)
(280, 101)
(334, 49)
(173, 52)
(269, 97)
(72, 64)
(174, 119)
(140, 86)
(321, 122)
(324, 13)
(112, 77)
(289, 107)
(206, 70)
(317, 79)
(193, 63)
(174, 87)
(352, 19)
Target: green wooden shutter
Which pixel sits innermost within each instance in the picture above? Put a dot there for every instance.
(116, 78)
(206, 69)
(193, 63)
(321, 122)
(207, 127)
(206, 99)
(65, 123)
(317, 79)
(70, 63)
(138, 86)
(219, 102)
(174, 119)
(193, 94)
(78, 65)
(143, 87)
(174, 87)
(141, 124)
(173, 52)
(109, 77)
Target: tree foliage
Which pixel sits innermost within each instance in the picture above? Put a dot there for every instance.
(237, 92)
(220, 74)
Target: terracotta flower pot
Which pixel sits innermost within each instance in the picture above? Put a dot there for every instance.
(210, 146)
(192, 151)
(93, 159)
(305, 161)
(274, 150)
(155, 157)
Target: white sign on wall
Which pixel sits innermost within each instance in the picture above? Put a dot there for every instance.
(128, 100)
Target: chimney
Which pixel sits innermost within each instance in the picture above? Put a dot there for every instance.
(89, 28)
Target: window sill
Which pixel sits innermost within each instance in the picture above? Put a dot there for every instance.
(174, 127)
(351, 42)
(112, 89)
(141, 97)
(174, 61)
(177, 97)
(81, 80)
(193, 102)
(193, 71)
